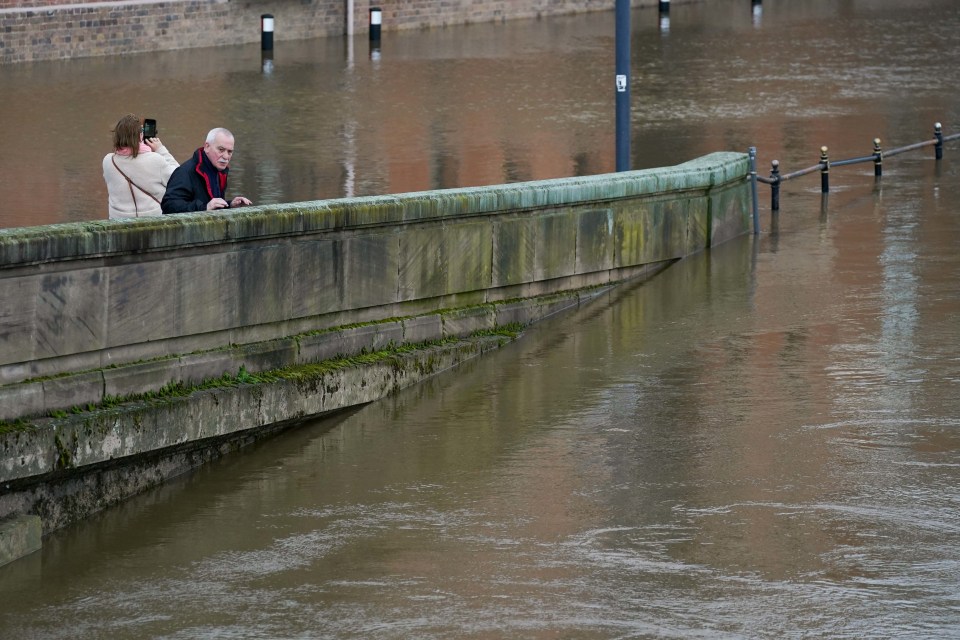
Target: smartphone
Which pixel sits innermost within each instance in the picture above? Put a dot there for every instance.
(149, 128)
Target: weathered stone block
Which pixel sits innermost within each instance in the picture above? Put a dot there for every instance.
(137, 292)
(19, 536)
(514, 250)
(595, 240)
(17, 327)
(357, 339)
(319, 347)
(18, 400)
(137, 378)
(208, 294)
(468, 248)
(422, 328)
(422, 263)
(26, 453)
(556, 245)
(371, 269)
(197, 367)
(73, 391)
(70, 312)
(463, 322)
(316, 278)
(264, 282)
(730, 215)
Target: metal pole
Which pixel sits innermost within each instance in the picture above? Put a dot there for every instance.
(349, 15)
(623, 85)
(824, 171)
(938, 134)
(877, 158)
(753, 189)
(775, 185)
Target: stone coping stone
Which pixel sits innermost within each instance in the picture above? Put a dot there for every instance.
(82, 240)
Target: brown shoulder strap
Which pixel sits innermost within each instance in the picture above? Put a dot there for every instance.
(131, 184)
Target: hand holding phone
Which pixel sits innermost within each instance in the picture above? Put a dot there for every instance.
(149, 128)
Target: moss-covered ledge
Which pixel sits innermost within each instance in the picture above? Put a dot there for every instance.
(62, 455)
(71, 392)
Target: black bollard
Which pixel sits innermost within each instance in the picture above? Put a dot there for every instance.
(664, 6)
(376, 19)
(938, 134)
(877, 158)
(775, 185)
(824, 171)
(266, 32)
(752, 152)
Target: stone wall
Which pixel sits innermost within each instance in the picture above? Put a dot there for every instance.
(111, 308)
(49, 29)
(262, 317)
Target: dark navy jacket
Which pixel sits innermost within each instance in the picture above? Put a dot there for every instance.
(187, 189)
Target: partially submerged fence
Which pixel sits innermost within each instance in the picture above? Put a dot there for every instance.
(824, 165)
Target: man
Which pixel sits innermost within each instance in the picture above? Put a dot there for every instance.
(200, 183)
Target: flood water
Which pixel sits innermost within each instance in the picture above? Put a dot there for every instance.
(761, 442)
(491, 103)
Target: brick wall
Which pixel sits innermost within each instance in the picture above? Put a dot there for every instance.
(112, 28)
(46, 30)
(402, 14)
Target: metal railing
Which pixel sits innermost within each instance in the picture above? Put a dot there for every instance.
(824, 165)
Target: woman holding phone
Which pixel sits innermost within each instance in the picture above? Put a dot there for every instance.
(137, 171)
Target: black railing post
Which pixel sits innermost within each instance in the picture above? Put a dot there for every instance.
(938, 134)
(877, 158)
(752, 151)
(775, 185)
(824, 171)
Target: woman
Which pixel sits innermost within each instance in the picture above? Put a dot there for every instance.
(137, 171)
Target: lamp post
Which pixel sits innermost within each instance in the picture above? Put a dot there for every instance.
(623, 85)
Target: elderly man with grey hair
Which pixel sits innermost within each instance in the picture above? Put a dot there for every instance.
(200, 183)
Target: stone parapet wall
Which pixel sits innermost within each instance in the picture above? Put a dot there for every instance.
(108, 308)
(32, 30)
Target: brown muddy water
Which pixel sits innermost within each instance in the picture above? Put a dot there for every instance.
(761, 442)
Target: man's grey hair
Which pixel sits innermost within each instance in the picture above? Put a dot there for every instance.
(213, 134)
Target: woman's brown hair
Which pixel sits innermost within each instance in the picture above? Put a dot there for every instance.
(127, 134)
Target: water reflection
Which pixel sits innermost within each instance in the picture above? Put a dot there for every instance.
(729, 438)
(490, 103)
